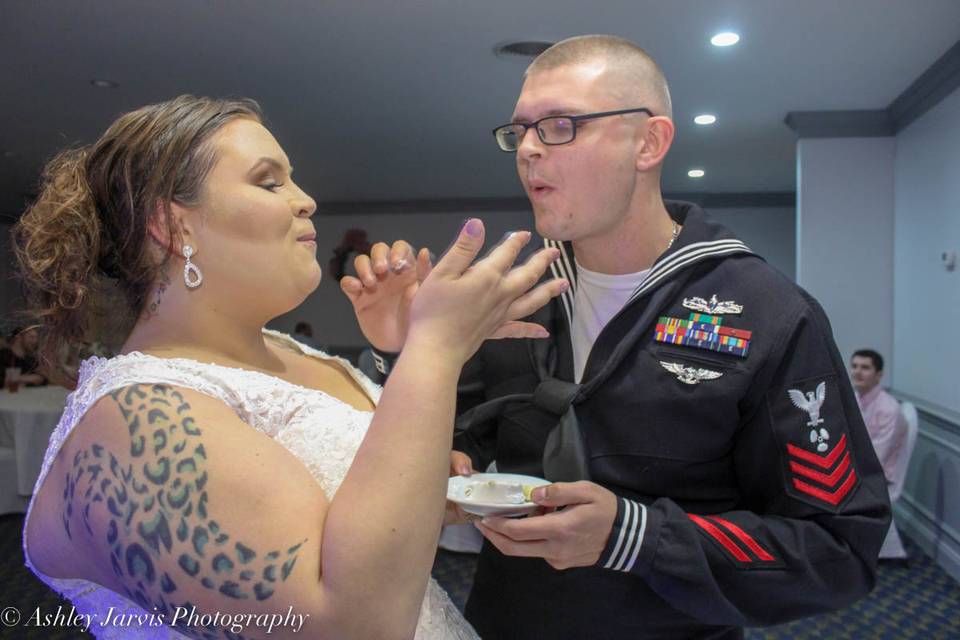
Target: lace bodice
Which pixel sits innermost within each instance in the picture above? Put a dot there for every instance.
(320, 430)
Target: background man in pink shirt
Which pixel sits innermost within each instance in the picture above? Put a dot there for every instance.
(881, 411)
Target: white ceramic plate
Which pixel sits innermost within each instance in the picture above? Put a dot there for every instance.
(457, 486)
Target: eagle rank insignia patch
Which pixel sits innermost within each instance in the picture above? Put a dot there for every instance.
(808, 420)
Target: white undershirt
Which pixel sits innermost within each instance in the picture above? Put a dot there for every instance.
(598, 298)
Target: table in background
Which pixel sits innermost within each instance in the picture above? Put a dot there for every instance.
(27, 418)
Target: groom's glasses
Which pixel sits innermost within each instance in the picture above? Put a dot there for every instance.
(551, 130)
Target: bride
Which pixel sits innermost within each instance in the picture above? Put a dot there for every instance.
(216, 475)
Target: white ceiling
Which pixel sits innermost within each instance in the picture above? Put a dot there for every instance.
(394, 100)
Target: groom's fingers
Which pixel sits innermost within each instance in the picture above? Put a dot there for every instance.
(542, 528)
(509, 547)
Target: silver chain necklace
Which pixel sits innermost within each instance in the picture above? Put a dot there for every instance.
(673, 236)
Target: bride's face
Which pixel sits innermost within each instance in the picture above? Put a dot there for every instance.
(254, 240)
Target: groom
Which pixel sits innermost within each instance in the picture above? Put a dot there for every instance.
(700, 504)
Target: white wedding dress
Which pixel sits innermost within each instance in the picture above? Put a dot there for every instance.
(321, 431)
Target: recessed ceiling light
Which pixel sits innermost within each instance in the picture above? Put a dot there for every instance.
(725, 39)
(696, 173)
(100, 83)
(705, 118)
(522, 48)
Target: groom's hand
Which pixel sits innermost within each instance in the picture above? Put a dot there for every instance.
(573, 534)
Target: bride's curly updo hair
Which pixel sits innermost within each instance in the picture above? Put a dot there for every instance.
(85, 239)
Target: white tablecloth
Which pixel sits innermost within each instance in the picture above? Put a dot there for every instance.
(27, 418)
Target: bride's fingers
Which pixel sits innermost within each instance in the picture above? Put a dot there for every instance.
(424, 265)
(528, 274)
(401, 256)
(463, 251)
(352, 287)
(505, 254)
(379, 257)
(533, 300)
(517, 329)
(364, 269)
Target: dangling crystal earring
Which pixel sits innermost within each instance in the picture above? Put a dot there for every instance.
(189, 267)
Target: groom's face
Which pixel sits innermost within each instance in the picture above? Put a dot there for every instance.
(581, 189)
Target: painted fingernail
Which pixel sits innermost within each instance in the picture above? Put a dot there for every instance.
(474, 227)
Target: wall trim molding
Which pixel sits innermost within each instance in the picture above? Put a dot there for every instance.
(933, 85)
(865, 123)
(708, 199)
(933, 413)
(927, 91)
(917, 522)
(926, 435)
(930, 519)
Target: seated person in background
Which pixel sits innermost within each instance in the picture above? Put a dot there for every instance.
(22, 354)
(881, 411)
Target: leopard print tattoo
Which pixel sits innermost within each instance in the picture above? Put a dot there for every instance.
(158, 509)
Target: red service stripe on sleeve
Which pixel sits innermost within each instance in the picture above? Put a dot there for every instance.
(821, 461)
(833, 497)
(744, 538)
(721, 537)
(828, 480)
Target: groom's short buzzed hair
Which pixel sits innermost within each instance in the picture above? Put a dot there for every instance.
(640, 77)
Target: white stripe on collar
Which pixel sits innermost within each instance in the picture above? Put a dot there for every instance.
(685, 256)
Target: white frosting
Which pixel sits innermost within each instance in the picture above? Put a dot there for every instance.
(496, 492)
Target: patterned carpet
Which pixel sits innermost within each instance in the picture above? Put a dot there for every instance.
(915, 600)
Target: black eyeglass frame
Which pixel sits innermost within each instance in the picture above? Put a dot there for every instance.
(574, 119)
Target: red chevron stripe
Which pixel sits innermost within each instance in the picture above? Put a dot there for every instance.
(745, 538)
(721, 537)
(828, 480)
(833, 497)
(821, 461)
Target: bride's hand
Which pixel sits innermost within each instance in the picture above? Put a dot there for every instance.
(381, 293)
(386, 283)
(463, 301)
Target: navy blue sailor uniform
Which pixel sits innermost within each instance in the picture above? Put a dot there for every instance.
(749, 493)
